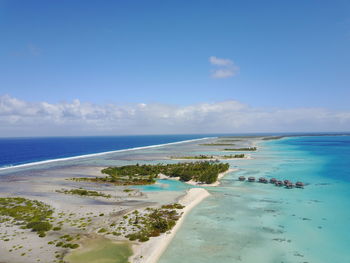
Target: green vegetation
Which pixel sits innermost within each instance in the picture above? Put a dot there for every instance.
(216, 144)
(173, 206)
(64, 242)
(102, 230)
(30, 214)
(272, 138)
(204, 172)
(155, 222)
(83, 192)
(126, 175)
(199, 157)
(39, 226)
(101, 250)
(67, 237)
(232, 156)
(228, 140)
(74, 246)
(241, 149)
(67, 245)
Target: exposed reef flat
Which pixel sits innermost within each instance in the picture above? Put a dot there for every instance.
(84, 211)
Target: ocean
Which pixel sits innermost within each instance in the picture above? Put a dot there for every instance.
(19, 151)
(251, 222)
(240, 222)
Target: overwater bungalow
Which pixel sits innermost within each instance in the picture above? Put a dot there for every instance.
(290, 185)
(273, 180)
(286, 182)
(279, 183)
(262, 180)
(251, 179)
(299, 185)
(241, 178)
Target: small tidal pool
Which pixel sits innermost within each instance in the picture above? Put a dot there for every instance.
(163, 185)
(101, 251)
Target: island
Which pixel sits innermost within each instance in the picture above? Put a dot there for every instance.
(71, 213)
(202, 172)
(209, 157)
(241, 149)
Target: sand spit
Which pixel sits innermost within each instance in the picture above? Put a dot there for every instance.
(150, 252)
(217, 183)
(191, 182)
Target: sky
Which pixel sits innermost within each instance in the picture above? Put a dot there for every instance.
(137, 67)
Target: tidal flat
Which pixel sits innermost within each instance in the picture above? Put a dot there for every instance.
(234, 221)
(82, 213)
(101, 250)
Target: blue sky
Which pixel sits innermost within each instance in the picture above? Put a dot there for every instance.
(279, 54)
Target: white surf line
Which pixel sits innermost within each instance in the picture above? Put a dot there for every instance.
(99, 154)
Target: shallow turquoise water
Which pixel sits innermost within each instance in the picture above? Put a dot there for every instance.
(163, 185)
(252, 222)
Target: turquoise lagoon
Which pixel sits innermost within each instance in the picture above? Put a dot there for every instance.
(252, 222)
(163, 185)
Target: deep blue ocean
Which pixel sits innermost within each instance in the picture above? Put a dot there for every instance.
(333, 150)
(16, 151)
(240, 221)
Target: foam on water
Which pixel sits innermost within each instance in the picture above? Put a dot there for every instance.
(7, 167)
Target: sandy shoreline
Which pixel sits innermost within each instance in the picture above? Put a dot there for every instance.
(85, 216)
(191, 182)
(151, 251)
(217, 183)
(248, 157)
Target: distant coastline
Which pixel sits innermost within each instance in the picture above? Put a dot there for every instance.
(99, 154)
(78, 219)
(272, 136)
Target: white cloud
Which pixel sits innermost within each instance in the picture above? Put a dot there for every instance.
(220, 61)
(21, 118)
(222, 73)
(226, 67)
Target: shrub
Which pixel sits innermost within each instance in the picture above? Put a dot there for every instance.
(29, 213)
(74, 246)
(40, 226)
(160, 224)
(144, 238)
(42, 234)
(59, 244)
(173, 206)
(132, 237)
(102, 230)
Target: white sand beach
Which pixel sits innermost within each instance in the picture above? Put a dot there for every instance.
(217, 183)
(87, 218)
(151, 251)
(191, 182)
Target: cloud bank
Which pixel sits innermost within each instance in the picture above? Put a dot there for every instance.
(225, 67)
(21, 118)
